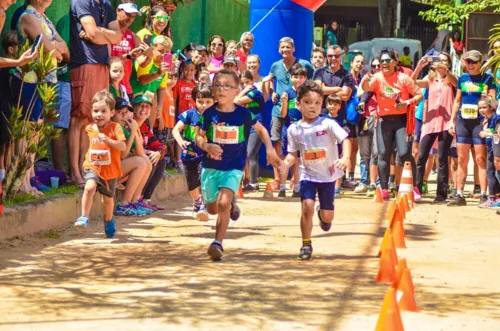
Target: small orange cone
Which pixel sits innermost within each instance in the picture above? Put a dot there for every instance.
(388, 243)
(390, 316)
(407, 301)
(410, 203)
(391, 211)
(397, 217)
(406, 203)
(387, 270)
(268, 193)
(239, 194)
(398, 234)
(402, 266)
(378, 195)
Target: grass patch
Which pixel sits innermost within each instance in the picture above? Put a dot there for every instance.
(172, 172)
(265, 179)
(51, 234)
(21, 198)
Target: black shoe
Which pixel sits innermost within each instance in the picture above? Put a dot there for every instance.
(457, 201)
(306, 253)
(296, 194)
(324, 226)
(282, 194)
(348, 184)
(251, 188)
(215, 251)
(439, 200)
(483, 199)
(235, 210)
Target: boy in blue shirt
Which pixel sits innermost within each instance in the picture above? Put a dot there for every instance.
(191, 154)
(223, 134)
(291, 114)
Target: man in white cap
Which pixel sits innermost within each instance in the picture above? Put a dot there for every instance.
(131, 46)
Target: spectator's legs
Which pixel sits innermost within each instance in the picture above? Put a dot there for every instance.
(154, 179)
(57, 146)
(134, 167)
(74, 143)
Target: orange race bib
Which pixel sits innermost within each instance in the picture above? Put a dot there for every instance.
(100, 157)
(226, 134)
(315, 156)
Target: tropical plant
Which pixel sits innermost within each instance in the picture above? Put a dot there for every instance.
(36, 134)
(494, 60)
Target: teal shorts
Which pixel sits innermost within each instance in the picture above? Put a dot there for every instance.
(212, 180)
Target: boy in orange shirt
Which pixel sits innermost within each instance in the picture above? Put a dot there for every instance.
(102, 164)
(166, 120)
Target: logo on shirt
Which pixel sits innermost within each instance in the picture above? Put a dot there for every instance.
(321, 133)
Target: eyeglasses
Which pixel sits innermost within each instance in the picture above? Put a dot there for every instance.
(468, 61)
(387, 61)
(217, 45)
(162, 18)
(333, 56)
(375, 66)
(224, 87)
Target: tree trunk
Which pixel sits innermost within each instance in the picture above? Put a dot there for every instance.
(15, 176)
(387, 17)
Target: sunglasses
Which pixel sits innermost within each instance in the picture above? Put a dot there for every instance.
(386, 61)
(375, 66)
(162, 18)
(217, 45)
(333, 56)
(225, 87)
(471, 61)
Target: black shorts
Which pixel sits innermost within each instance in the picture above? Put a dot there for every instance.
(105, 187)
(192, 171)
(468, 132)
(353, 130)
(418, 131)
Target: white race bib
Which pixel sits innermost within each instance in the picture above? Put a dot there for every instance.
(226, 135)
(469, 112)
(172, 111)
(315, 156)
(100, 157)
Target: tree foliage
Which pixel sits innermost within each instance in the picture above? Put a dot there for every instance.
(447, 13)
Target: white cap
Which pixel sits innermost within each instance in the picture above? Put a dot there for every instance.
(129, 8)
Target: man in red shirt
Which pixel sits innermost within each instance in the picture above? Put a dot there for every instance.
(246, 42)
(131, 46)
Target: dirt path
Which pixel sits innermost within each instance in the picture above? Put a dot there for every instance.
(155, 274)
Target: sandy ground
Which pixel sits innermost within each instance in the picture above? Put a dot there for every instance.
(156, 275)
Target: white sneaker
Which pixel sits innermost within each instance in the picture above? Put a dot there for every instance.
(361, 188)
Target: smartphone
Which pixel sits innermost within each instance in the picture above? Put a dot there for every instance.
(167, 58)
(148, 39)
(36, 43)
(435, 59)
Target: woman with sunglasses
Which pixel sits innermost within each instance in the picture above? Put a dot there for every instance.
(155, 24)
(216, 51)
(441, 85)
(466, 123)
(395, 119)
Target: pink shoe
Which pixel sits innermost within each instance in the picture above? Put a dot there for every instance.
(416, 194)
(385, 194)
(146, 205)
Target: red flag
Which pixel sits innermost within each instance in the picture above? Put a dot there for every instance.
(312, 5)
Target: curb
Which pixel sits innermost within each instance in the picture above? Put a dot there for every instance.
(48, 213)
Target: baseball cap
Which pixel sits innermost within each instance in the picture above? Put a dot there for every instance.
(142, 98)
(129, 8)
(230, 59)
(474, 55)
(122, 103)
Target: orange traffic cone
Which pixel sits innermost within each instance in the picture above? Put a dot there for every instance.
(407, 302)
(406, 203)
(391, 211)
(388, 243)
(268, 192)
(406, 184)
(390, 316)
(397, 217)
(239, 194)
(387, 271)
(378, 195)
(402, 266)
(398, 234)
(402, 209)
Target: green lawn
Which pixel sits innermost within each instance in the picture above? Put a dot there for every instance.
(69, 189)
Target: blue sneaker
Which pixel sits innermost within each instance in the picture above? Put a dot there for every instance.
(338, 193)
(128, 210)
(81, 223)
(38, 185)
(110, 228)
(495, 205)
(141, 208)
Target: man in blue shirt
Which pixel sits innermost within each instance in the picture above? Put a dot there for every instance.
(280, 74)
(92, 28)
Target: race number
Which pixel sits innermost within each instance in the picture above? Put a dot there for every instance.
(226, 134)
(315, 156)
(469, 112)
(100, 157)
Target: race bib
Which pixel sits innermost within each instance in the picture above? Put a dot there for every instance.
(469, 112)
(171, 111)
(315, 156)
(100, 157)
(292, 104)
(226, 134)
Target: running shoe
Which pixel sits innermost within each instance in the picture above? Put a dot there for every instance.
(282, 194)
(81, 223)
(495, 205)
(385, 194)
(487, 203)
(348, 184)
(296, 194)
(425, 188)
(476, 194)
(36, 183)
(128, 210)
(110, 228)
(324, 226)
(202, 214)
(439, 200)
(251, 188)
(416, 194)
(370, 193)
(457, 201)
(393, 193)
(337, 193)
(141, 209)
(145, 206)
(235, 210)
(483, 199)
(361, 188)
(215, 251)
(306, 253)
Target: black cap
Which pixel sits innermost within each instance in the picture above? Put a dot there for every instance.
(121, 103)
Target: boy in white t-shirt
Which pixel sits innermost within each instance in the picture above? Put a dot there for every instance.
(316, 139)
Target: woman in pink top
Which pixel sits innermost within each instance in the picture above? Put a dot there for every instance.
(217, 49)
(441, 85)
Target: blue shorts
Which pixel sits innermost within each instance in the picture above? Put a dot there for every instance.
(212, 180)
(468, 131)
(326, 193)
(63, 105)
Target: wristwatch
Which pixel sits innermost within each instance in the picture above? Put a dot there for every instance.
(129, 56)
